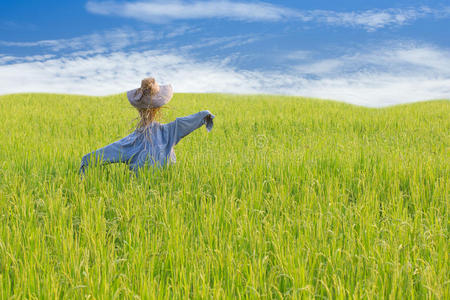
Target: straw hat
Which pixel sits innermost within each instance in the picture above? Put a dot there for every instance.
(150, 94)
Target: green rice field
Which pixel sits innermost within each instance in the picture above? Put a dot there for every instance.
(286, 198)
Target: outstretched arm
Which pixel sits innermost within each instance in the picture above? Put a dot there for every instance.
(113, 153)
(183, 126)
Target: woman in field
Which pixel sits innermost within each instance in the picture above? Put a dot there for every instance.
(151, 143)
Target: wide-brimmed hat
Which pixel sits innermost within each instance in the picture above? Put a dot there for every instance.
(141, 98)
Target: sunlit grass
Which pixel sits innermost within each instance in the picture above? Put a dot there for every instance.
(286, 197)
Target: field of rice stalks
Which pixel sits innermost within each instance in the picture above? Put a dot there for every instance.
(286, 197)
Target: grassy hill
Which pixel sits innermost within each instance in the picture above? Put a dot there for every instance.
(286, 197)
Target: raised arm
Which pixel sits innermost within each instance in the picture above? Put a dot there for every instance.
(181, 127)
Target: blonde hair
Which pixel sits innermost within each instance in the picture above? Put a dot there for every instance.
(148, 115)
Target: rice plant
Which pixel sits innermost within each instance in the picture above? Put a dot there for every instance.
(286, 197)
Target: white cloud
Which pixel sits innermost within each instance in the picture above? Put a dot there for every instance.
(166, 11)
(321, 67)
(222, 42)
(4, 59)
(121, 39)
(390, 58)
(297, 55)
(115, 39)
(370, 19)
(163, 11)
(378, 77)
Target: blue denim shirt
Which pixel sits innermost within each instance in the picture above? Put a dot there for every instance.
(153, 148)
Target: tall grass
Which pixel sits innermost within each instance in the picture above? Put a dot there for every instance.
(287, 197)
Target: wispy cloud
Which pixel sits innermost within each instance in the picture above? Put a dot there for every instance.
(6, 59)
(378, 77)
(124, 39)
(220, 43)
(401, 58)
(370, 20)
(114, 40)
(166, 11)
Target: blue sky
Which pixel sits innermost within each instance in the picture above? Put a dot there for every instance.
(372, 53)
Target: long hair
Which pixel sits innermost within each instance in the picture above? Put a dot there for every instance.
(148, 115)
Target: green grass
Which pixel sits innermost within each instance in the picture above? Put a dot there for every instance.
(287, 197)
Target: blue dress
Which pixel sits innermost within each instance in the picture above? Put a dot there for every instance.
(154, 147)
